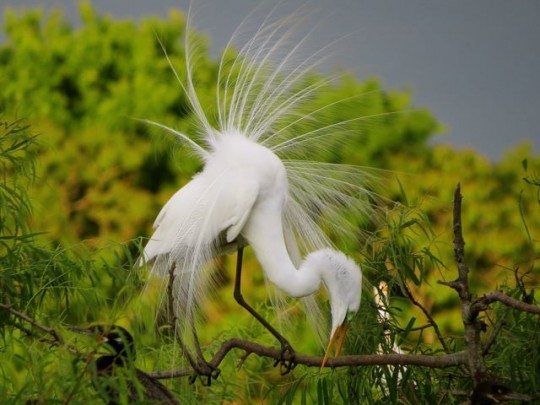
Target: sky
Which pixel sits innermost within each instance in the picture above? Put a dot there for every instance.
(474, 64)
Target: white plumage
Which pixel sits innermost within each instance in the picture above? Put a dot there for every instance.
(250, 193)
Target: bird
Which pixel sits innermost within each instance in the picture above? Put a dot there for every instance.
(489, 392)
(258, 187)
(119, 362)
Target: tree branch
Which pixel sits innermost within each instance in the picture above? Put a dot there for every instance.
(461, 284)
(472, 325)
(472, 356)
(426, 313)
(56, 339)
(481, 304)
(431, 361)
(494, 333)
(471, 309)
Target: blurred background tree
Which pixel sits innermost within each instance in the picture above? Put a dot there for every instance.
(100, 177)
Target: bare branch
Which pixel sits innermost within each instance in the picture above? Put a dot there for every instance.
(57, 339)
(472, 356)
(427, 315)
(431, 361)
(461, 284)
(472, 325)
(483, 303)
(494, 333)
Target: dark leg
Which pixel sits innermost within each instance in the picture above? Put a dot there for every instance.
(287, 352)
(201, 366)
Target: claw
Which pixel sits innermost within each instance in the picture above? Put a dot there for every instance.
(208, 381)
(215, 373)
(286, 359)
(205, 369)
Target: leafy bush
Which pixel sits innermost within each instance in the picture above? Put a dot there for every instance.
(97, 177)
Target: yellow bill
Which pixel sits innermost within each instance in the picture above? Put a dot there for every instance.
(339, 336)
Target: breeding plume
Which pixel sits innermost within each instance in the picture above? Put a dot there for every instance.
(256, 187)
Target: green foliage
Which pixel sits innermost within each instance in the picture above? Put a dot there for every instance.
(98, 177)
(85, 88)
(500, 221)
(82, 89)
(16, 152)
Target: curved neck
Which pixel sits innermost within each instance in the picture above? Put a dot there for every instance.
(265, 235)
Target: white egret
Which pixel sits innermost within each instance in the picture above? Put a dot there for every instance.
(256, 187)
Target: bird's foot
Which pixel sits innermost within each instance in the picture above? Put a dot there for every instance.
(286, 359)
(206, 372)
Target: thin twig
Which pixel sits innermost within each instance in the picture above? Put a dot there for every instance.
(482, 303)
(57, 338)
(494, 333)
(427, 315)
(415, 329)
(520, 284)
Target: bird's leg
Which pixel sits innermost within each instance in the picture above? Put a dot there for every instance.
(201, 366)
(287, 352)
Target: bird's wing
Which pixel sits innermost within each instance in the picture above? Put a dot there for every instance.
(193, 228)
(173, 221)
(197, 214)
(243, 201)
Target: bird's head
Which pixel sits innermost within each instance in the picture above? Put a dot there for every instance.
(343, 280)
(116, 338)
(492, 392)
